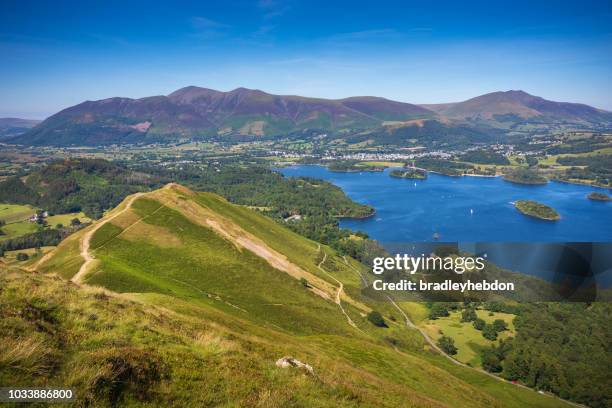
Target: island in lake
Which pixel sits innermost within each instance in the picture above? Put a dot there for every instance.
(537, 210)
(595, 196)
(409, 174)
(525, 176)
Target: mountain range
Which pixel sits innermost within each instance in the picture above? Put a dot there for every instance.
(194, 112)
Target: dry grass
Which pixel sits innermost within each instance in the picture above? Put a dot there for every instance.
(153, 234)
(28, 355)
(159, 351)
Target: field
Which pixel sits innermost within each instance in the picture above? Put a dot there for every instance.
(14, 212)
(10, 257)
(15, 217)
(16, 229)
(65, 219)
(17, 224)
(468, 340)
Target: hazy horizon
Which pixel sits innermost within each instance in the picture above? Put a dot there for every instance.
(58, 55)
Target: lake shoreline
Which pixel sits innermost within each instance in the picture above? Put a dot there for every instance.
(474, 208)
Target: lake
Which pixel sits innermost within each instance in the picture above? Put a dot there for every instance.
(466, 209)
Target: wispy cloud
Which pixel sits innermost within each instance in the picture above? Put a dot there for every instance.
(419, 30)
(208, 28)
(273, 8)
(290, 61)
(22, 38)
(363, 35)
(270, 11)
(323, 62)
(207, 23)
(264, 30)
(531, 29)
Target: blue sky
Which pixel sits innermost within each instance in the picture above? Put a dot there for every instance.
(56, 55)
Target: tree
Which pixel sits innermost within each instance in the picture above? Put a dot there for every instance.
(479, 324)
(489, 333)
(304, 282)
(499, 325)
(531, 161)
(504, 348)
(75, 221)
(447, 345)
(22, 256)
(490, 361)
(376, 319)
(59, 226)
(45, 237)
(438, 310)
(13, 190)
(468, 315)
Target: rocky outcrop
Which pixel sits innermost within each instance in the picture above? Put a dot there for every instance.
(289, 362)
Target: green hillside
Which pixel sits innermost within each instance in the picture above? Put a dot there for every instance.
(75, 185)
(205, 297)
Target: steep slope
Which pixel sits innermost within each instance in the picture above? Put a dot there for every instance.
(190, 242)
(516, 106)
(133, 350)
(220, 299)
(199, 112)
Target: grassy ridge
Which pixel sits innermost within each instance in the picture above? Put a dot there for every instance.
(212, 317)
(299, 250)
(205, 264)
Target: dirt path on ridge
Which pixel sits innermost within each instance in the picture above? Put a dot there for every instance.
(337, 300)
(43, 259)
(78, 277)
